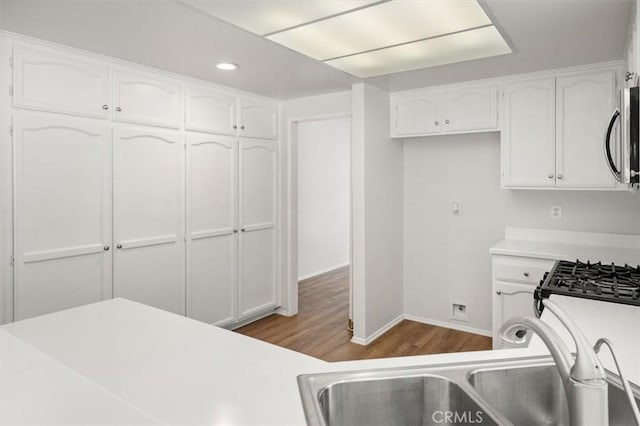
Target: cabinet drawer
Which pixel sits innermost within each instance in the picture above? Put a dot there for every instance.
(528, 271)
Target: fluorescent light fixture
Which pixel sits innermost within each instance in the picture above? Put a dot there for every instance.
(464, 46)
(383, 25)
(367, 38)
(226, 66)
(265, 17)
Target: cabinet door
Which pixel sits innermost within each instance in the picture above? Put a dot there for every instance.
(210, 111)
(258, 226)
(146, 99)
(148, 209)
(470, 108)
(257, 119)
(510, 300)
(51, 81)
(584, 105)
(62, 214)
(211, 228)
(528, 134)
(418, 114)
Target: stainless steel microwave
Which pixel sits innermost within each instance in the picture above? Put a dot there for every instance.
(627, 168)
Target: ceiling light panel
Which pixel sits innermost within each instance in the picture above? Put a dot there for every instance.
(267, 16)
(382, 25)
(465, 46)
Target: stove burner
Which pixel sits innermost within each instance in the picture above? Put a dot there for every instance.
(620, 284)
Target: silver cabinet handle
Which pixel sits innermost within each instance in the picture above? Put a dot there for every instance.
(560, 176)
(119, 246)
(106, 248)
(498, 292)
(235, 231)
(242, 127)
(118, 109)
(550, 175)
(105, 106)
(235, 126)
(242, 229)
(446, 122)
(437, 123)
(526, 274)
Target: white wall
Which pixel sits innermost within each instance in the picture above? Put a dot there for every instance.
(377, 203)
(292, 113)
(446, 256)
(323, 195)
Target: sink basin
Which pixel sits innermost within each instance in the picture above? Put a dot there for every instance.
(535, 395)
(418, 400)
(523, 391)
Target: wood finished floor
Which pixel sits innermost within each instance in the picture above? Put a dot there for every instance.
(319, 329)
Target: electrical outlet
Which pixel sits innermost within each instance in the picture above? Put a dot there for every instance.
(459, 311)
(556, 212)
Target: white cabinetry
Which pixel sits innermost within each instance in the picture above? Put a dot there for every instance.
(528, 133)
(258, 180)
(148, 225)
(257, 119)
(62, 223)
(208, 110)
(514, 282)
(146, 99)
(453, 110)
(47, 80)
(553, 130)
(212, 258)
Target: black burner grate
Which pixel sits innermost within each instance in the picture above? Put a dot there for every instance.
(608, 282)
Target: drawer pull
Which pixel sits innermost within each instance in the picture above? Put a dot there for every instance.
(498, 292)
(526, 274)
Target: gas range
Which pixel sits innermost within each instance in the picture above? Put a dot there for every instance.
(595, 281)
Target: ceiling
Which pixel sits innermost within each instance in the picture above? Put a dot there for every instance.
(172, 35)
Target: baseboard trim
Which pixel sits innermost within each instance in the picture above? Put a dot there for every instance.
(283, 312)
(323, 271)
(379, 332)
(447, 324)
(250, 319)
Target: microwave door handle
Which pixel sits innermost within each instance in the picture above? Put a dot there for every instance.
(607, 146)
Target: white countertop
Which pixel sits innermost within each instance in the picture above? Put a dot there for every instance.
(120, 362)
(569, 245)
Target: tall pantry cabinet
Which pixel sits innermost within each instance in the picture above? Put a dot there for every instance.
(128, 182)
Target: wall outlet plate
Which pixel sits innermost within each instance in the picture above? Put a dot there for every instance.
(460, 311)
(556, 212)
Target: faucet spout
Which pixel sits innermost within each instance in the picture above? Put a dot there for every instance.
(584, 379)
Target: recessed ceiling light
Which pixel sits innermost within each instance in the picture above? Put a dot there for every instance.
(226, 66)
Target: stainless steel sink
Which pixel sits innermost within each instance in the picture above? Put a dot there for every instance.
(535, 395)
(524, 391)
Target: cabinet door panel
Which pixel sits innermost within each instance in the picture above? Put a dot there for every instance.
(258, 224)
(62, 220)
(417, 114)
(53, 81)
(258, 119)
(514, 300)
(584, 106)
(257, 274)
(528, 134)
(211, 228)
(470, 108)
(210, 111)
(146, 99)
(149, 265)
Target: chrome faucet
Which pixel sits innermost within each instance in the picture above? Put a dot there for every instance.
(584, 379)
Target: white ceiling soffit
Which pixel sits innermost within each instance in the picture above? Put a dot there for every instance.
(371, 38)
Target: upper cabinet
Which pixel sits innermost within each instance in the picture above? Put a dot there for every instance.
(553, 129)
(257, 119)
(210, 111)
(49, 80)
(455, 110)
(146, 99)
